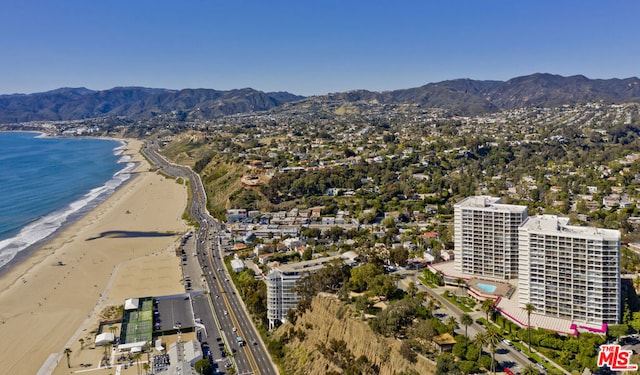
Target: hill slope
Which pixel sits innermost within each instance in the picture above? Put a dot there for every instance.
(466, 96)
(135, 103)
(326, 338)
(461, 96)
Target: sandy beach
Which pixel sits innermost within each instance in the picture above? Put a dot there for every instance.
(46, 307)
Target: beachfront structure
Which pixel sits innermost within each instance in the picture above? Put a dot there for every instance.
(570, 272)
(486, 237)
(281, 284)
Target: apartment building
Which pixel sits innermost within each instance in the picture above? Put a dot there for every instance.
(281, 283)
(569, 272)
(486, 237)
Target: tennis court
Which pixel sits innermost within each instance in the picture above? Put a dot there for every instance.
(137, 325)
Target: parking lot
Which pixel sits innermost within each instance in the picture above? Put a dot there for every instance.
(173, 311)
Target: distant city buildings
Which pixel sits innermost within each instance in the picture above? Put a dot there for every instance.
(486, 237)
(570, 272)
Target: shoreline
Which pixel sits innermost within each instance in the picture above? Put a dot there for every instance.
(46, 305)
(25, 254)
(124, 175)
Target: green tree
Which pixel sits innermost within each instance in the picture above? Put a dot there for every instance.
(137, 357)
(423, 329)
(399, 256)
(203, 366)
(487, 307)
(412, 289)
(361, 276)
(469, 367)
(529, 308)
(68, 352)
(492, 339)
(382, 285)
(459, 349)
(451, 323)
(529, 369)
(466, 320)
(389, 222)
(472, 353)
(484, 361)
(447, 365)
(307, 254)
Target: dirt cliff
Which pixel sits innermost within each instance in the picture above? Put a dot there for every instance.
(329, 338)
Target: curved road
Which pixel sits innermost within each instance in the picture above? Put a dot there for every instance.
(221, 311)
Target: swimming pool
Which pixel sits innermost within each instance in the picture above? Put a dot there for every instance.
(487, 287)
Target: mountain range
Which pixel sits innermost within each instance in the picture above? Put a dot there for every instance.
(461, 96)
(466, 96)
(135, 103)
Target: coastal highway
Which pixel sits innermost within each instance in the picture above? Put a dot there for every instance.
(226, 318)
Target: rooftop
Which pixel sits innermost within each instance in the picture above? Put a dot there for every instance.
(489, 203)
(549, 224)
(307, 265)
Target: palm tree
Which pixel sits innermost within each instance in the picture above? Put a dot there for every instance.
(412, 289)
(147, 349)
(107, 352)
(460, 282)
(529, 308)
(479, 342)
(466, 320)
(137, 357)
(68, 352)
(81, 341)
(431, 305)
(492, 339)
(451, 323)
(487, 307)
(146, 367)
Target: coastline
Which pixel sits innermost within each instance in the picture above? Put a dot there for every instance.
(45, 305)
(43, 228)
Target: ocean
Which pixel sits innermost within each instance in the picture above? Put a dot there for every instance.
(45, 183)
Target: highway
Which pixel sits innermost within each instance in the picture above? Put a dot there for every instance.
(221, 311)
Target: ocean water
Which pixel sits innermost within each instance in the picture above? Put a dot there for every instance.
(47, 182)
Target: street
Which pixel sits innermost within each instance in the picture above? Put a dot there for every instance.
(226, 323)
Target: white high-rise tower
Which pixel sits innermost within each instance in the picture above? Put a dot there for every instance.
(570, 272)
(486, 237)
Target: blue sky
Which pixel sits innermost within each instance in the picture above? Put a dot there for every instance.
(309, 47)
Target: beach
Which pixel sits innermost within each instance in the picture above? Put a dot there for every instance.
(122, 248)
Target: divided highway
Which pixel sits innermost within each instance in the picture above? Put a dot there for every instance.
(221, 311)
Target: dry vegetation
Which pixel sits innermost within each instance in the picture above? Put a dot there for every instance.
(328, 338)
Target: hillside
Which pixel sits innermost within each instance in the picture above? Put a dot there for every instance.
(459, 96)
(135, 103)
(327, 338)
(469, 97)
